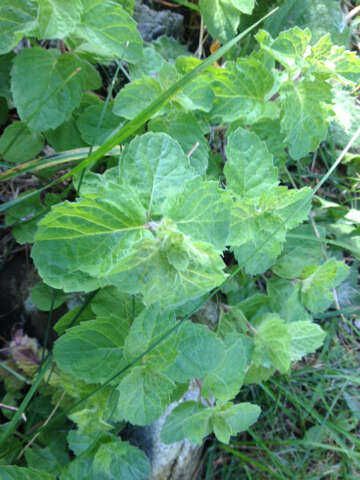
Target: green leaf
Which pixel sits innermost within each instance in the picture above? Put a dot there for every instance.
(148, 329)
(189, 131)
(25, 217)
(169, 48)
(120, 460)
(49, 101)
(200, 352)
(136, 96)
(231, 419)
(106, 26)
(103, 253)
(4, 111)
(164, 168)
(143, 396)
(5, 67)
(148, 67)
(284, 299)
(321, 17)
(63, 323)
(306, 337)
(92, 351)
(188, 420)
(288, 48)
(272, 347)
(226, 380)
(269, 131)
(258, 374)
(65, 137)
(198, 95)
(111, 303)
(258, 229)
(79, 468)
(95, 126)
(19, 144)
(222, 17)
(122, 219)
(50, 459)
(318, 281)
(19, 473)
(241, 92)
(202, 211)
(305, 114)
(42, 297)
(16, 18)
(160, 278)
(249, 169)
(57, 18)
(302, 248)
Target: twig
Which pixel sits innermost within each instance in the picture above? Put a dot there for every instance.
(44, 424)
(352, 13)
(13, 409)
(193, 149)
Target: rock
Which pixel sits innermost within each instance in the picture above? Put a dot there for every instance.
(152, 24)
(177, 461)
(180, 460)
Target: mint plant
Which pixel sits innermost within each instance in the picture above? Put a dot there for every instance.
(166, 226)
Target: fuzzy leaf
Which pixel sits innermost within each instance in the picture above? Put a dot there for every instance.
(202, 212)
(299, 252)
(148, 329)
(110, 303)
(107, 26)
(122, 219)
(188, 131)
(164, 168)
(92, 351)
(96, 125)
(65, 137)
(318, 281)
(306, 337)
(188, 420)
(49, 101)
(226, 380)
(288, 48)
(25, 218)
(136, 96)
(241, 91)
(200, 352)
(222, 17)
(19, 144)
(5, 67)
(57, 18)
(120, 460)
(16, 18)
(232, 419)
(305, 114)
(320, 17)
(20, 473)
(143, 396)
(249, 169)
(272, 344)
(170, 279)
(43, 297)
(284, 298)
(258, 229)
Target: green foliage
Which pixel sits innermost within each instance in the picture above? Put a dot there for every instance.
(222, 17)
(18, 143)
(196, 206)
